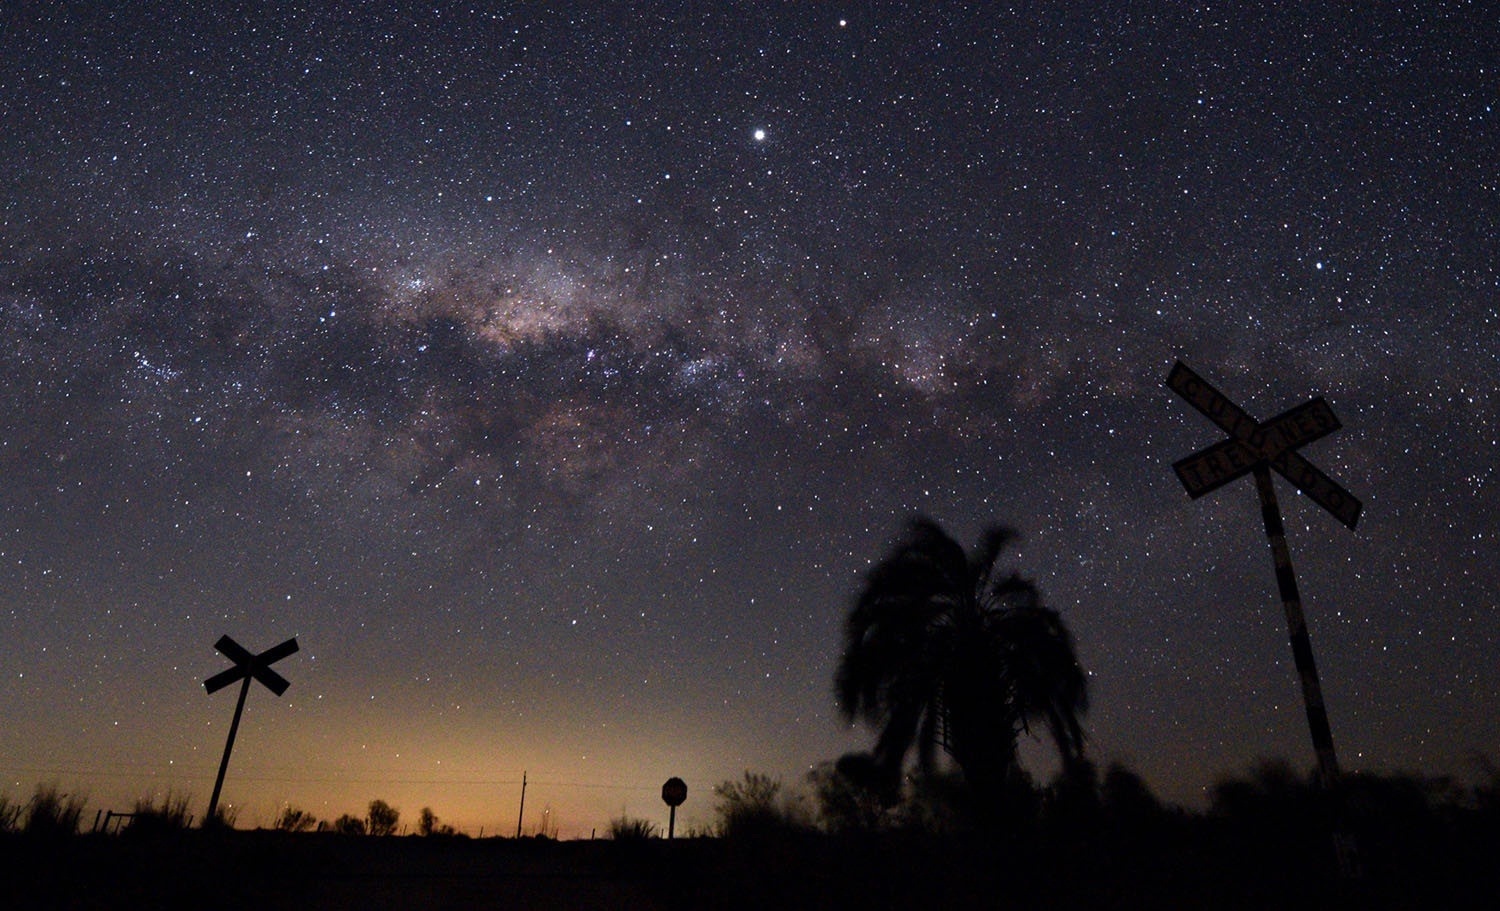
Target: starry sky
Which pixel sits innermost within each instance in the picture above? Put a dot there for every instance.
(553, 372)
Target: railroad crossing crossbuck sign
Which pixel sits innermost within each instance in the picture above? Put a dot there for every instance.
(1257, 448)
(246, 667)
(1253, 445)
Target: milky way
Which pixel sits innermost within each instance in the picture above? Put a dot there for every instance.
(554, 374)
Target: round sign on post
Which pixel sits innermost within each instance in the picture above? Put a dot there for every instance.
(673, 793)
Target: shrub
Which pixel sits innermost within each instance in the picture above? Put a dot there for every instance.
(1486, 792)
(755, 806)
(624, 828)
(348, 824)
(52, 812)
(382, 818)
(172, 815)
(848, 801)
(546, 827)
(1272, 791)
(294, 819)
(1127, 797)
(940, 802)
(10, 814)
(224, 817)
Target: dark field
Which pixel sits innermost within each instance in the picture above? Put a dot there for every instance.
(1187, 863)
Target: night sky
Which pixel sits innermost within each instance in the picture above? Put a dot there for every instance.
(554, 374)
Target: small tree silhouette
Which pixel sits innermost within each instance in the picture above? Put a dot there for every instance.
(349, 824)
(755, 805)
(382, 817)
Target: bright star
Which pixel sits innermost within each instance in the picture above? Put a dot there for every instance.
(760, 135)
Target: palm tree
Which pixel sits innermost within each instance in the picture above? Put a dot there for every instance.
(941, 651)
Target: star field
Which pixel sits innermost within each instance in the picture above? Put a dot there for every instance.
(554, 373)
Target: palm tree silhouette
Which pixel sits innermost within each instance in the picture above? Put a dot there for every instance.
(941, 651)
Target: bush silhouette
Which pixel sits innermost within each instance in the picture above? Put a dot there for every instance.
(147, 818)
(224, 817)
(755, 806)
(1126, 797)
(427, 824)
(624, 828)
(52, 813)
(382, 818)
(851, 796)
(294, 819)
(349, 824)
(10, 814)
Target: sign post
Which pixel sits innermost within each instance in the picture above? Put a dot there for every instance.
(1257, 449)
(245, 667)
(673, 793)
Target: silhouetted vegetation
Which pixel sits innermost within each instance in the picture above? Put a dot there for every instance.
(224, 818)
(10, 814)
(52, 813)
(1485, 796)
(545, 828)
(1097, 836)
(625, 828)
(849, 801)
(942, 651)
(757, 806)
(294, 819)
(381, 818)
(150, 818)
(348, 824)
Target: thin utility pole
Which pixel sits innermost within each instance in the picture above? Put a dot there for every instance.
(521, 815)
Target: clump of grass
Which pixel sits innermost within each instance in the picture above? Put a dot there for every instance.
(51, 812)
(224, 818)
(10, 814)
(625, 828)
(149, 818)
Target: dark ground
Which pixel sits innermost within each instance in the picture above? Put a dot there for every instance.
(1187, 864)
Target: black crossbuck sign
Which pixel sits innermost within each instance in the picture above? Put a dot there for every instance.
(247, 667)
(1252, 443)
